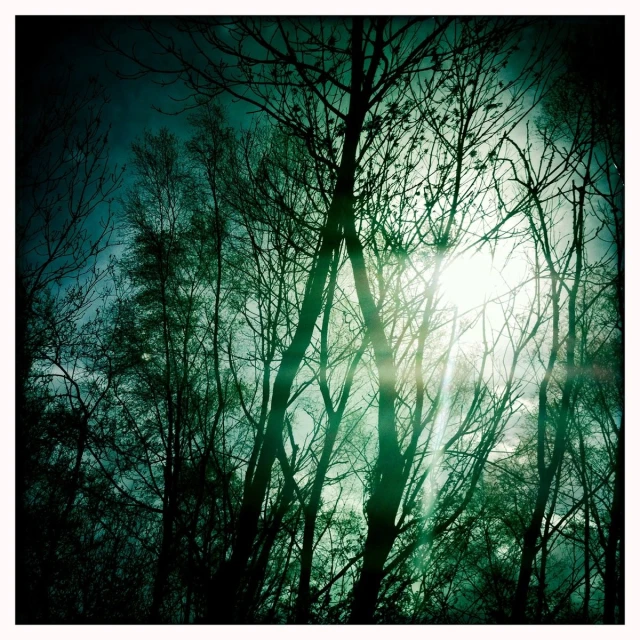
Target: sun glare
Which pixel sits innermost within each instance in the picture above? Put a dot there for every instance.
(468, 280)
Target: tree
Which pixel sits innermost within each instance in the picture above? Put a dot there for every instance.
(358, 357)
(310, 113)
(65, 187)
(573, 171)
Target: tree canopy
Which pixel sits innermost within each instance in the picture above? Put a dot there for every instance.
(343, 341)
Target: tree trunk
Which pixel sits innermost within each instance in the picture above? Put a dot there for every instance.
(529, 549)
(303, 602)
(387, 484)
(310, 516)
(587, 531)
(227, 581)
(613, 594)
(547, 473)
(259, 569)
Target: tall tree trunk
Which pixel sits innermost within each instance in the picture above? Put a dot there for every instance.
(258, 571)
(226, 583)
(544, 555)
(388, 481)
(335, 416)
(546, 473)
(614, 584)
(171, 466)
(587, 531)
(392, 470)
(529, 550)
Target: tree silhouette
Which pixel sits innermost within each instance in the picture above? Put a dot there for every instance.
(344, 343)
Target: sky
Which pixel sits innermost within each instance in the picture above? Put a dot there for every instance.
(76, 40)
(46, 42)
(65, 40)
(55, 42)
(46, 46)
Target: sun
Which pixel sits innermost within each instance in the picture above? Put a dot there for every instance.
(469, 279)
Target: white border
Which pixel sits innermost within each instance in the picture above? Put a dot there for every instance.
(11, 8)
(326, 7)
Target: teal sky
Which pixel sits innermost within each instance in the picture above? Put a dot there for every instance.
(54, 42)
